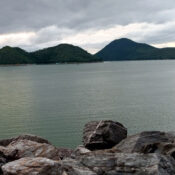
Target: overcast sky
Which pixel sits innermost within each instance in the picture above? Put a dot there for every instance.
(90, 24)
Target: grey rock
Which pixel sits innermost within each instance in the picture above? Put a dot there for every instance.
(21, 147)
(6, 142)
(95, 163)
(26, 148)
(31, 166)
(146, 153)
(129, 163)
(148, 142)
(103, 134)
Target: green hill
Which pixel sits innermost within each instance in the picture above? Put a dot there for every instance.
(10, 55)
(117, 50)
(125, 49)
(63, 53)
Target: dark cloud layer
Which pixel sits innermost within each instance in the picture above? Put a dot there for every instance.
(53, 21)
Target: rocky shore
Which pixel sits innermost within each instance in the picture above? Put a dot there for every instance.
(106, 150)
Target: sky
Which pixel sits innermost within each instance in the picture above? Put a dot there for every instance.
(90, 24)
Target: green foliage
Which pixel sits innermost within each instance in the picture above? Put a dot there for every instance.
(125, 49)
(63, 53)
(9, 55)
(122, 49)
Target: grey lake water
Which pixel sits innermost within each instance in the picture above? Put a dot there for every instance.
(55, 101)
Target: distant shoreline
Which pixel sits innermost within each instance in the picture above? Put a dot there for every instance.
(4, 65)
(7, 65)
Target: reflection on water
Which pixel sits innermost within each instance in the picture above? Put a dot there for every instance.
(55, 101)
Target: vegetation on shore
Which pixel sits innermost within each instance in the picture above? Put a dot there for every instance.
(63, 53)
(118, 50)
(125, 49)
(9, 55)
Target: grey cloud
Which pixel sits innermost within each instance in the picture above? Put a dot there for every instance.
(27, 15)
(80, 15)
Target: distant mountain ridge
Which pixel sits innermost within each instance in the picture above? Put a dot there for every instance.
(63, 53)
(126, 49)
(118, 50)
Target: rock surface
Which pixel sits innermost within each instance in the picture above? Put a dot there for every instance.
(127, 163)
(80, 150)
(64, 152)
(6, 142)
(3, 161)
(146, 153)
(103, 134)
(31, 166)
(26, 148)
(74, 167)
(95, 163)
(149, 142)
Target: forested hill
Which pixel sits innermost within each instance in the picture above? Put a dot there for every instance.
(63, 53)
(117, 50)
(10, 55)
(125, 49)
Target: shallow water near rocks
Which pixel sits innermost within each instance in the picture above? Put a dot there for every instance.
(55, 101)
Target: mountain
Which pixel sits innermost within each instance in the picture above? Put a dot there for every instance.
(63, 53)
(125, 49)
(10, 55)
(117, 50)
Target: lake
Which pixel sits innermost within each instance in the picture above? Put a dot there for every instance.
(55, 101)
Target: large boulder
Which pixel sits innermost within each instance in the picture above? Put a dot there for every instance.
(95, 163)
(147, 153)
(26, 148)
(31, 146)
(148, 142)
(101, 162)
(6, 142)
(31, 166)
(44, 166)
(103, 134)
(129, 163)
